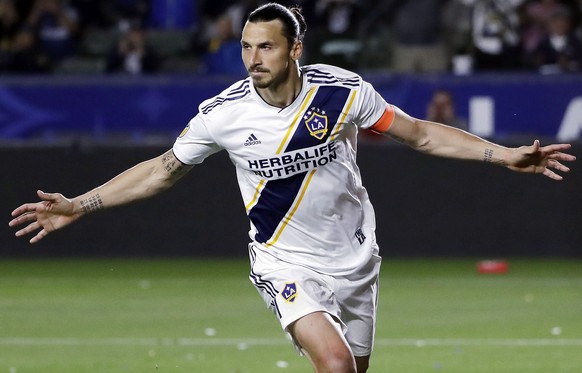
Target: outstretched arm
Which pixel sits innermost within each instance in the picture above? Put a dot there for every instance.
(139, 182)
(444, 141)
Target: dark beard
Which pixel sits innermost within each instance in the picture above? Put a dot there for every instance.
(262, 84)
(272, 81)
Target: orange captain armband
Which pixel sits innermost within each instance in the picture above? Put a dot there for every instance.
(385, 121)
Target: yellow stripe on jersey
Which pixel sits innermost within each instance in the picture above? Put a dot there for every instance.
(299, 114)
(293, 125)
(289, 215)
(345, 113)
(336, 132)
(256, 195)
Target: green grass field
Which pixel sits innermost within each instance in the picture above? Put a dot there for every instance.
(204, 316)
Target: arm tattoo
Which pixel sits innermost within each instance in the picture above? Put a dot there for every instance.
(488, 155)
(92, 204)
(173, 165)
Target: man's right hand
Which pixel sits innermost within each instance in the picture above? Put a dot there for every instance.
(52, 213)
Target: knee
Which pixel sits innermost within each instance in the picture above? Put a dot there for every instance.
(338, 362)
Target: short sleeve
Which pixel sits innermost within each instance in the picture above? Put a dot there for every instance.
(372, 110)
(195, 143)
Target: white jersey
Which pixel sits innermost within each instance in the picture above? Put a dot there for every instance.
(296, 166)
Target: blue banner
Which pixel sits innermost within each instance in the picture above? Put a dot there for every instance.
(494, 106)
(499, 106)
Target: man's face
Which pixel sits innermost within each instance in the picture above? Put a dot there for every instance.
(266, 53)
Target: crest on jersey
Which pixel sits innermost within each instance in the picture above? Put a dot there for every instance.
(316, 122)
(289, 293)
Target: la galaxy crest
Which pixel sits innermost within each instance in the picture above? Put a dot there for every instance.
(316, 122)
(289, 292)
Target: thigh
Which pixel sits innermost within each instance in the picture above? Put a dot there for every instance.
(320, 337)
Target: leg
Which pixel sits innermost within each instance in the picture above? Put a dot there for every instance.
(362, 363)
(321, 339)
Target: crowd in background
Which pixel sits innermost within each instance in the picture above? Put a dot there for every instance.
(203, 36)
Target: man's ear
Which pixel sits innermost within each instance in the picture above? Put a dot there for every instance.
(297, 50)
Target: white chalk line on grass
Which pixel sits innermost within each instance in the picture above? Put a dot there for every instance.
(219, 342)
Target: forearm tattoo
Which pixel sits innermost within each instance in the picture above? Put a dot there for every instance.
(173, 165)
(92, 204)
(488, 155)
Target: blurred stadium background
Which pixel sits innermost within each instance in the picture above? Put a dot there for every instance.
(161, 286)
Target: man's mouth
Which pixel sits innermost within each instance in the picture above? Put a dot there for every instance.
(258, 71)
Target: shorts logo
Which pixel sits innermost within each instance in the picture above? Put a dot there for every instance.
(316, 122)
(289, 293)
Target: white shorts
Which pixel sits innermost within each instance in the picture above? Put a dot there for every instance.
(293, 291)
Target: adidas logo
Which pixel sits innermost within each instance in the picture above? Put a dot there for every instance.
(252, 140)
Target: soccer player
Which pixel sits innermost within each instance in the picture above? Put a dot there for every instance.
(291, 133)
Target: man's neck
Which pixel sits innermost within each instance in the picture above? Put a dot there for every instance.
(283, 94)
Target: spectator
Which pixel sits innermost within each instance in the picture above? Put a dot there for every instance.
(441, 108)
(535, 15)
(24, 55)
(418, 34)
(561, 50)
(9, 23)
(404, 35)
(456, 23)
(132, 54)
(121, 14)
(496, 35)
(336, 34)
(238, 13)
(222, 55)
(56, 26)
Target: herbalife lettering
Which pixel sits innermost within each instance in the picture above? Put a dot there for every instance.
(294, 162)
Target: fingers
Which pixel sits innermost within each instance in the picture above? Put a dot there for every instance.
(558, 166)
(552, 175)
(51, 197)
(28, 229)
(28, 213)
(24, 209)
(536, 146)
(23, 218)
(556, 147)
(39, 236)
(554, 154)
(562, 157)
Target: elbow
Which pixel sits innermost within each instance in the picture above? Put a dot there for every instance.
(422, 145)
(422, 140)
(156, 181)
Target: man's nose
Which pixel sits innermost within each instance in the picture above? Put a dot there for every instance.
(254, 58)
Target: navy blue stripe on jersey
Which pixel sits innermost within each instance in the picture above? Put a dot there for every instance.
(277, 196)
(321, 77)
(276, 199)
(235, 94)
(312, 72)
(329, 102)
